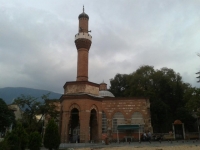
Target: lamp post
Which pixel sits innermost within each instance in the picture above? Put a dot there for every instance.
(139, 132)
(198, 126)
(197, 117)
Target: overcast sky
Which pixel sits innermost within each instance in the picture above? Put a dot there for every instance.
(37, 47)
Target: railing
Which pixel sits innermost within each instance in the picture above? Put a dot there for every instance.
(83, 35)
(168, 136)
(192, 135)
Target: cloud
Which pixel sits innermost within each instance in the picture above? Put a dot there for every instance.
(37, 47)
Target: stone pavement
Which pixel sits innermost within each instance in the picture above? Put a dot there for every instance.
(159, 145)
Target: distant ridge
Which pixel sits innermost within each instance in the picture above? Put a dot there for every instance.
(8, 94)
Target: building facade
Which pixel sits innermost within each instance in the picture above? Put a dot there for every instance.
(89, 112)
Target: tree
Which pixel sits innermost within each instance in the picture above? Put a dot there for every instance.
(193, 104)
(186, 116)
(7, 116)
(35, 141)
(51, 137)
(163, 87)
(18, 138)
(198, 54)
(32, 107)
(118, 85)
(4, 145)
(140, 82)
(159, 115)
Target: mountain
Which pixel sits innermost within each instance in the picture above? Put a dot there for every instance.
(8, 94)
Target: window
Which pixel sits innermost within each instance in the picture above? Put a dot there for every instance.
(137, 119)
(118, 119)
(104, 122)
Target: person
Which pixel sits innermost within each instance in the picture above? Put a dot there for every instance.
(144, 136)
(149, 136)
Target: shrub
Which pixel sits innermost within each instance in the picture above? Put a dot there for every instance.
(51, 137)
(17, 139)
(13, 141)
(35, 141)
(4, 145)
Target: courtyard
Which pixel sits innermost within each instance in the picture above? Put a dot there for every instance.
(155, 145)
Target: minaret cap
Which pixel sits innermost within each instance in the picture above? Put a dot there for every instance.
(83, 15)
(103, 86)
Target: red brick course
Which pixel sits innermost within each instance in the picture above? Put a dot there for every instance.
(83, 24)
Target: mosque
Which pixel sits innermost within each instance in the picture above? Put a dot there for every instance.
(89, 112)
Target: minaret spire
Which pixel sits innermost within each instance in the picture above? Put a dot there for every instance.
(83, 41)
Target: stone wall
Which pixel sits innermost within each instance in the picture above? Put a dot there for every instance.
(81, 87)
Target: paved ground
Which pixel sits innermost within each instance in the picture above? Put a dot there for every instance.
(180, 145)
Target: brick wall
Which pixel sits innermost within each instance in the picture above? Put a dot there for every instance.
(83, 23)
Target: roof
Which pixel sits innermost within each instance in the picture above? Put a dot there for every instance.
(128, 127)
(106, 94)
(83, 15)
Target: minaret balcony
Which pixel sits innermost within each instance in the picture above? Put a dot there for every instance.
(83, 35)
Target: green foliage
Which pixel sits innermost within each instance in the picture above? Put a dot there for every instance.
(13, 141)
(186, 117)
(118, 85)
(4, 145)
(17, 139)
(32, 108)
(159, 114)
(7, 116)
(35, 141)
(167, 93)
(51, 137)
(193, 104)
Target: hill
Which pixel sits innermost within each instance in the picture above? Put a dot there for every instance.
(8, 94)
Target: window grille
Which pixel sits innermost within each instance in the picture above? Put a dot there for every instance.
(118, 119)
(137, 119)
(104, 122)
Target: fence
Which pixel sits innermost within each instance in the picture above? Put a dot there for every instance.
(167, 136)
(192, 136)
(170, 136)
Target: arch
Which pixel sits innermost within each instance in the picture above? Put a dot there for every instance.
(137, 118)
(74, 105)
(74, 124)
(94, 107)
(137, 110)
(93, 124)
(177, 122)
(115, 111)
(103, 110)
(117, 119)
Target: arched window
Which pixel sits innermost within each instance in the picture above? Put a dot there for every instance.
(137, 119)
(104, 122)
(118, 119)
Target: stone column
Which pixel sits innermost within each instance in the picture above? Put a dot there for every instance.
(64, 130)
(84, 117)
(99, 122)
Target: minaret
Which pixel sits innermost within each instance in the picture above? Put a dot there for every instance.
(83, 42)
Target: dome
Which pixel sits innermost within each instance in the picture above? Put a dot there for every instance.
(106, 94)
(83, 15)
(177, 122)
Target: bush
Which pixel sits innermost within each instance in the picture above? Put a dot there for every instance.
(4, 145)
(17, 139)
(51, 137)
(13, 141)
(35, 141)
